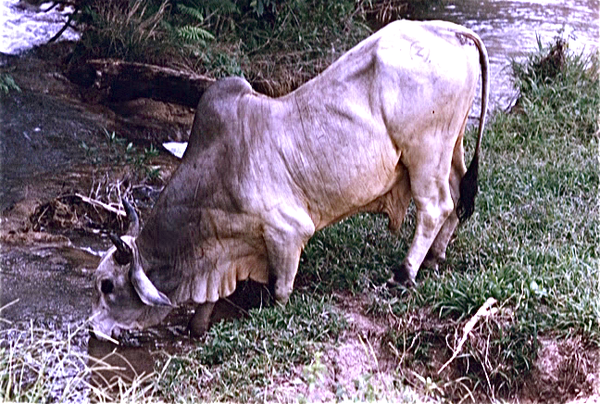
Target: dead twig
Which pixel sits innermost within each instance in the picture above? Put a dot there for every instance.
(102, 205)
(484, 311)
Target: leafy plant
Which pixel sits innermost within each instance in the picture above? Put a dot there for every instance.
(7, 84)
(244, 356)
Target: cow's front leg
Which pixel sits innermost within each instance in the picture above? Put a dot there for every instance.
(285, 238)
(283, 266)
(200, 322)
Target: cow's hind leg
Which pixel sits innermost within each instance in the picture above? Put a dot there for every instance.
(431, 193)
(437, 252)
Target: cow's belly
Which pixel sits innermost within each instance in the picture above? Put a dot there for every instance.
(350, 183)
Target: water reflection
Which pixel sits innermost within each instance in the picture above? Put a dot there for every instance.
(510, 28)
(116, 366)
(112, 367)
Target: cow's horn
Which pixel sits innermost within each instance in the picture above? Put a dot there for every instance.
(145, 289)
(123, 255)
(134, 221)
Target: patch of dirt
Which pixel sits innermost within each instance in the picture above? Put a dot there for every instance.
(42, 70)
(392, 358)
(54, 146)
(358, 368)
(566, 369)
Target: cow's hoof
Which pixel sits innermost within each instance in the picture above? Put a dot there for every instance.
(401, 277)
(432, 261)
(197, 330)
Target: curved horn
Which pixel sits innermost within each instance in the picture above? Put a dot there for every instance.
(134, 221)
(145, 289)
(123, 255)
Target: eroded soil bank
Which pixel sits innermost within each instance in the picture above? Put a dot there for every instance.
(54, 150)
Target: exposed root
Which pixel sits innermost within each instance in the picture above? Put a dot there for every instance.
(485, 310)
(100, 204)
(74, 211)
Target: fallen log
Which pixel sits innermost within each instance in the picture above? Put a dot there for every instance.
(113, 81)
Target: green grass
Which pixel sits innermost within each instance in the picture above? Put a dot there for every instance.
(532, 245)
(533, 242)
(7, 84)
(534, 237)
(118, 151)
(240, 360)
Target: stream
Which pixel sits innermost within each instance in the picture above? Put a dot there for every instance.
(511, 29)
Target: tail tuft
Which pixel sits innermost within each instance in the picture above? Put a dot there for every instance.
(468, 184)
(468, 191)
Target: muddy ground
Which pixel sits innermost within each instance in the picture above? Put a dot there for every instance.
(55, 148)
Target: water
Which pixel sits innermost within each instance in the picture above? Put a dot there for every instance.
(23, 25)
(511, 28)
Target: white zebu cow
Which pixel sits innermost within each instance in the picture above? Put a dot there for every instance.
(260, 176)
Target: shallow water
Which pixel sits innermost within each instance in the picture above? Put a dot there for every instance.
(23, 25)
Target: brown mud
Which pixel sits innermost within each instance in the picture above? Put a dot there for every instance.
(55, 148)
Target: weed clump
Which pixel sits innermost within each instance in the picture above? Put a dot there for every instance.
(7, 84)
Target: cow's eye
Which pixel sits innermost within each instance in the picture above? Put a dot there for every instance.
(106, 286)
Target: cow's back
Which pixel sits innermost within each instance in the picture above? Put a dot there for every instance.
(348, 133)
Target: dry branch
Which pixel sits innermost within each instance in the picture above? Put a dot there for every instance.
(102, 205)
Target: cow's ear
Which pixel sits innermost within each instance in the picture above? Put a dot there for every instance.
(145, 289)
(123, 255)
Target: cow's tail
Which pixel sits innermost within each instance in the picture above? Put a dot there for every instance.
(468, 184)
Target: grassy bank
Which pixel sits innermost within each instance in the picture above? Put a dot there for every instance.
(41, 365)
(532, 245)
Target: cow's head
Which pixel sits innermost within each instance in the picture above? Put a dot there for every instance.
(124, 296)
